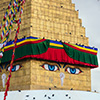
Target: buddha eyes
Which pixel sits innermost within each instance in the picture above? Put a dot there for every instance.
(55, 68)
(50, 67)
(73, 70)
(15, 68)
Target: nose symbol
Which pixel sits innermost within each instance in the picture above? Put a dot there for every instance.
(62, 76)
(3, 79)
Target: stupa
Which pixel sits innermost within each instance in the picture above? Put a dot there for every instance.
(52, 51)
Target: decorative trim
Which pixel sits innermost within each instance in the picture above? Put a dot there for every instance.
(32, 47)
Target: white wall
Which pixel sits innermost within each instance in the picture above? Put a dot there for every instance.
(50, 95)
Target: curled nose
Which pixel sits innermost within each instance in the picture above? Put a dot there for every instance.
(3, 79)
(62, 76)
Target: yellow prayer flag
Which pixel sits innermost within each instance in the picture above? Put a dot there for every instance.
(4, 30)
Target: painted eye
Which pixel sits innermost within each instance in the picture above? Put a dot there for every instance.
(50, 67)
(73, 70)
(15, 68)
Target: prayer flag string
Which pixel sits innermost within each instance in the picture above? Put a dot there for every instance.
(19, 5)
(8, 21)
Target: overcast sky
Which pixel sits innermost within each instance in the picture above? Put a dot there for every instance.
(89, 12)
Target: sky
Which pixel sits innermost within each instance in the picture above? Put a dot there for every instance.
(89, 12)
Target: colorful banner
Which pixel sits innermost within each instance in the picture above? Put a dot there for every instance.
(32, 47)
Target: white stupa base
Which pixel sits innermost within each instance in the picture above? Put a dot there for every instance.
(50, 95)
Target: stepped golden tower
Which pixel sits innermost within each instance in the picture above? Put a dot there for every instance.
(55, 20)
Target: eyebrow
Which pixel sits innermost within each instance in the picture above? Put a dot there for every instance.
(1, 66)
(59, 64)
(6, 65)
(64, 65)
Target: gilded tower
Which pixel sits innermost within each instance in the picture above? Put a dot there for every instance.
(55, 20)
(52, 19)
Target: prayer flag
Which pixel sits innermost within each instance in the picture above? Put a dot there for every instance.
(2, 35)
(0, 26)
(7, 33)
(6, 23)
